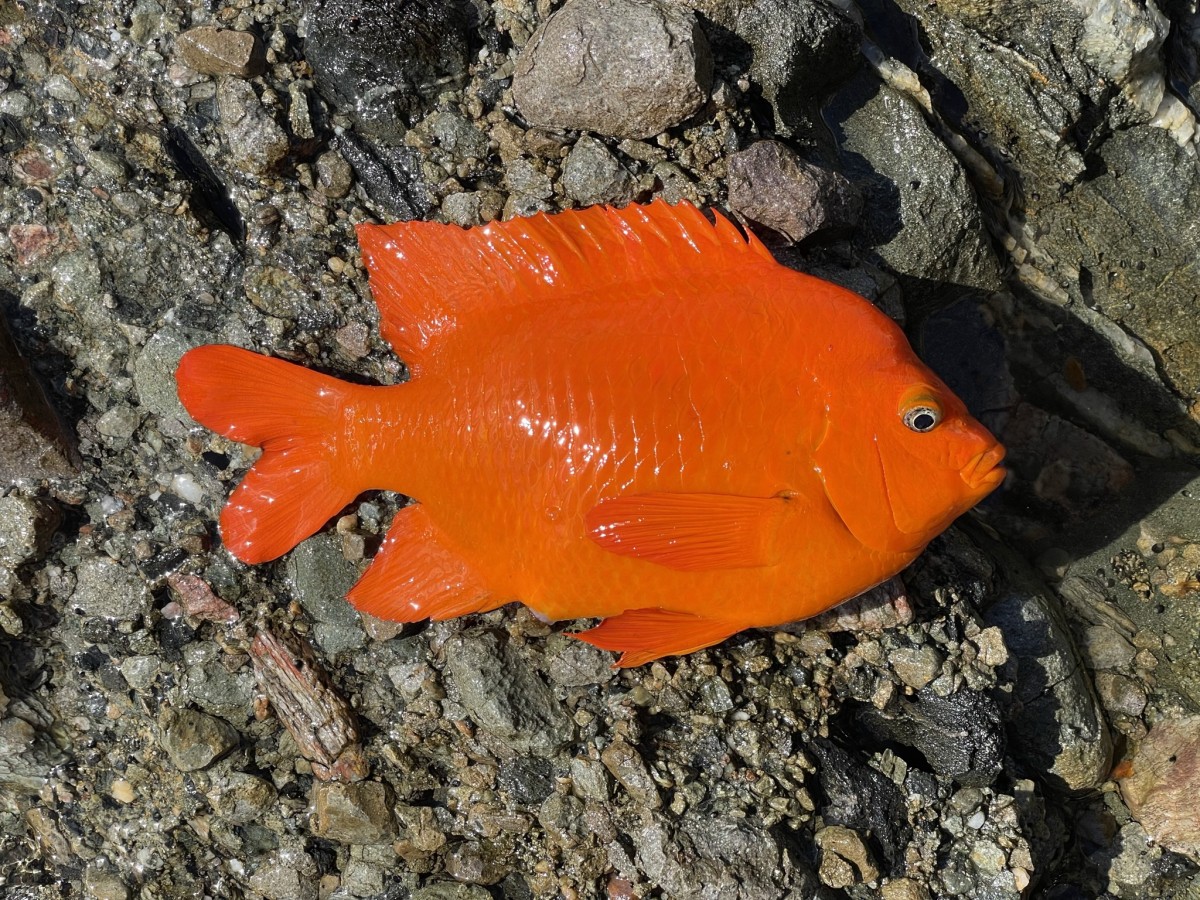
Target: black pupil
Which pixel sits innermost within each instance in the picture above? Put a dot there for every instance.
(923, 421)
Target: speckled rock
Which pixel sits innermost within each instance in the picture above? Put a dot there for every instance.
(26, 527)
(239, 797)
(771, 185)
(221, 51)
(591, 174)
(504, 695)
(1162, 784)
(195, 740)
(255, 141)
(286, 874)
(634, 68)
(107, 589)
(321, 576)
(358, 813)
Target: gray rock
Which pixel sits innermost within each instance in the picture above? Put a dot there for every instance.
(26, 527)
(447, 891)
(473, 207)
(573, 663)
(920, 212)
(106, 589)
(504, 695)
(628, 767)
(358, 813)
(286, 874)
(916, 666)
(119, 423)
(276, 291)
(380, 60)
(154, 374)
(239, 797)
(623, 68)
(771, 185)
(221, 51)
(27, 756)
(1106, 649)
(1053, 714)
(1120, 695)
(591, 174)
(320, 577)
(798, 49)
(255, 141)
(195, 740)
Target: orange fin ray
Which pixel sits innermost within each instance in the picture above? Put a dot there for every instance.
(416, 575)
(295, 415)
(642, 635)
(689, 532)
(427, 277)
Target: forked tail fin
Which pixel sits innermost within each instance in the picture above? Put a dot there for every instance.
(309, 467)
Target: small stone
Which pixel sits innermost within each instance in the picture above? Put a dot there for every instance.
(591, 174)
(916, 666)
(119, 423)
(627, 766)
(122, 791)
(1120, 695)
(988, 859)
(26, 527)
(903, 889)
(623, 68)
(221, 51)
(475, 863)
(106, 589)
(321, 576)
(154, 374)
(286, 874)
(254, 139)
(240, 798)
(473, 207)
(358, 813)
(771, 185)
(334, 175)
(198, 599)
(1106, 649)
(276, 291)
(101, 884)
(840, 846)
(448, 891)
(195, 740)
(573, 663)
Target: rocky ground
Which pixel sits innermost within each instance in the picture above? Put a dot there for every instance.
(1018, 716)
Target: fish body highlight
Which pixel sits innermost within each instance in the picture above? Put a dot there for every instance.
(630, 414)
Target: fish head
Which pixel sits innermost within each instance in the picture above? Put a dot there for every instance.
(900, 457)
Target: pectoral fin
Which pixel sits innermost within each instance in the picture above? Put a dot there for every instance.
(642, 635)
(690, 532)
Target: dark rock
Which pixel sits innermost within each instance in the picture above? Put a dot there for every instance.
(221, 51)
(623, 68)
(34, 443)
(381, 60)
(862, 799)
(920, 214)
(1053, 716)
(504, 695)
(771, 185)
(391, 177)
(961, 736)
(528, 779)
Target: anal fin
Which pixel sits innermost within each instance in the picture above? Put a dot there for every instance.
(642, 635)
(416, 575)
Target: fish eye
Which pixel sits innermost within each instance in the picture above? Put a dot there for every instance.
(923, 418)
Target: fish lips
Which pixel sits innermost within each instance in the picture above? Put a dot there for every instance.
(983, 472)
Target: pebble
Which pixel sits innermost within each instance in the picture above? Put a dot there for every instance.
(334, 175)
(358, 813)
(221, 51)
(772, 186)
(195, 740)
(1120, 695)
(101, 884)
(320, 576)
(106, 589)
(254, 140)
(628, 767)
(845, 859)
(504, 695)
(591, 174)
(634, 67)
(154, 374)
(449, 891)
(26, 528)
(286, 874)
(239, 797)
(916, 666)
(1106, 649)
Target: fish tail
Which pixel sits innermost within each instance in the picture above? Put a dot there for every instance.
(302, 420)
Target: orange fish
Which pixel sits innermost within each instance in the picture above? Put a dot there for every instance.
(634, 414)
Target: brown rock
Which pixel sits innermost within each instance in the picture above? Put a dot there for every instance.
(220, 51)
(1163, 782)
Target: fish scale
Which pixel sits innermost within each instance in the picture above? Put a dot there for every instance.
(628, 414)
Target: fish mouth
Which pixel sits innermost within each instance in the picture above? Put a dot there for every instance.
(983, 471)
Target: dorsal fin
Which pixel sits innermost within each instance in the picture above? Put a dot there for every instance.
(426, 277)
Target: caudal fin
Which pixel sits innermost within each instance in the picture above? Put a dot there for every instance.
(298, 417)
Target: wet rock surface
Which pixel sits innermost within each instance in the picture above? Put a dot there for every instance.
(1014, 716)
